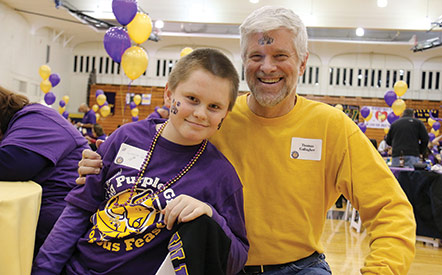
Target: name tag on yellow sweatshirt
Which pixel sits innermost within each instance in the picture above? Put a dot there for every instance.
(306, 148)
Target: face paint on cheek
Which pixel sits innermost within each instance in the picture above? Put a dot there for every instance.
(265, 40)
(220, 123)
(173, 108)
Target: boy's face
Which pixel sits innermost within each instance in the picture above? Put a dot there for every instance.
(197, 107)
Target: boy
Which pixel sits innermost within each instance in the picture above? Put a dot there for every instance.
(146, 187)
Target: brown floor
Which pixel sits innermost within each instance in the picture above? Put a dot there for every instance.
(346, 249)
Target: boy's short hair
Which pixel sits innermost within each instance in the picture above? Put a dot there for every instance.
(210, 60)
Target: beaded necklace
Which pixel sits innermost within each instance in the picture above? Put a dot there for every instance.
(170, 181)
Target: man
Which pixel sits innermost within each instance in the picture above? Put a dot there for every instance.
(409, 139)
(89, 119)
(295, 157)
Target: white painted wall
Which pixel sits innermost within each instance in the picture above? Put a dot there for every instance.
(23, 51)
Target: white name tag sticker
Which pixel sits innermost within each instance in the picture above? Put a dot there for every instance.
(130, 156)
(306, 148)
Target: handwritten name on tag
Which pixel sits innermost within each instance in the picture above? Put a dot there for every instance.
(130, 156)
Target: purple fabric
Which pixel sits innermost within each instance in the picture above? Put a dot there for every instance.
(14, 168)
(72, 224)
(212, 180)
(42, 130)
(89, 118)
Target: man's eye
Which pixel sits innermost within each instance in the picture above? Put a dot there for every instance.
(281, 57)
(255, 57)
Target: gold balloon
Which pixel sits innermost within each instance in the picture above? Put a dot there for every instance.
(368, 118)
(137, 99)
(398, 107)
(66, 99)
(44, 71)
(386, 129)
(45, 86)
(134, 62)
(435, 132)
(186, 51)
(105, 110)
(61, 110)
(139, 28)
(134, 112)
(97, 116)
(400, 87)
(101, 99)
(339, 107)
(95, 107)
(431, 121)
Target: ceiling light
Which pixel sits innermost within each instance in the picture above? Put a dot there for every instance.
(360, 32)
(159, 24)
(382, 3)
(254, 1)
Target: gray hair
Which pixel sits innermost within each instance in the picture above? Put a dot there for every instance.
(270, 18)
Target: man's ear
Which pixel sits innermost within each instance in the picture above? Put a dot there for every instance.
(303, 65)
(167, 96)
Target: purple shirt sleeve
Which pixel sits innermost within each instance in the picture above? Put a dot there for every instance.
(18, 163)
(60, 244)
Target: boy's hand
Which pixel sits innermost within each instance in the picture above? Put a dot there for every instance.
(184, 208)
(90, 163)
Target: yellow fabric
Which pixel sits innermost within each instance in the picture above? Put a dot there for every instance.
(286, 199)
(19, 209)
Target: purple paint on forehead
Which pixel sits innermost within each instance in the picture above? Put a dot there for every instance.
(265, 40)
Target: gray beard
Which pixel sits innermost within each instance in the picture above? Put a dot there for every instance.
(270, 101)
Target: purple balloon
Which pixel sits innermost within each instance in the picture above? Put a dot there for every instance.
(132, 105)
(135, 118)
(62, 103)
(362, 126)
(124, 10)
(431, 136)
(116, 41)
(49, 98)
(365, 111)
(436, 125)
(390, 97)
(99, 92)
(65, 114)
(104, 104)
(392, 117)
(54, 79)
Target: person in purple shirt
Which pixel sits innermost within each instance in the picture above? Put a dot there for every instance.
(97, 134)
(157, 174)
(89, 118)
(38, 144)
